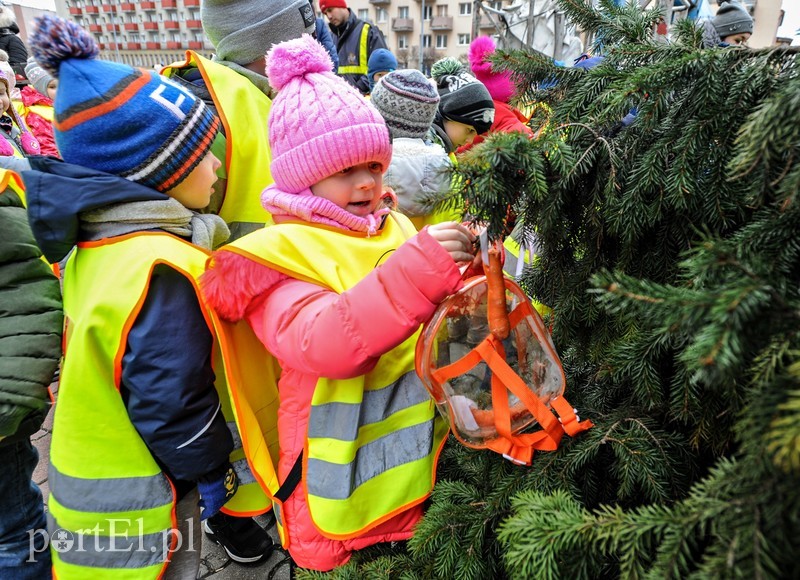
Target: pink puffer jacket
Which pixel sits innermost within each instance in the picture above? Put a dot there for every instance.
(315, 332)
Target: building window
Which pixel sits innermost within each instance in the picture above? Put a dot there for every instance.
(441, 41)
(465, 8)
(441, 10)
(402, 12)
(402, 41)
(381, 15)
(363, 13)
(428, 13)
(496, 5)
(426, 41)
(463, 40)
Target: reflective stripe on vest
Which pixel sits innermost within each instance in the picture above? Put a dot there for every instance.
(372, 440)
(361, 68)
(243, 110)
(125, 555)
(104, 482)
(12, 180)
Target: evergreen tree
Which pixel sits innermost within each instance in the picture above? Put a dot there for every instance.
(670, 254)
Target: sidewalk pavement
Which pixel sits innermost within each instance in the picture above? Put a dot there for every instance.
(214, 564)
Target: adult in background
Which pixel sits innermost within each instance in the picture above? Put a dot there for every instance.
(10, 42)
(356, 40)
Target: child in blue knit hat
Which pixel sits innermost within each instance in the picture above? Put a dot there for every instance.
(138, 429)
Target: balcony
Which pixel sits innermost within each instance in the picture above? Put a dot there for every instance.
(195, 44)
(191, 4)
(89, 10)
(194, 25)
(150, 25)
(112, 27)
(484, 22)
(152, 45)
(109, 8)
(127, 7)
(169, 4)
(171, 25)
(101, 45)
(402, 24)
(95, 28)
(148, 6)
(441, 23)
(73, 10)
(173, 45)
(112, 46)
(380, 2)
(134, 45)
(131, 26)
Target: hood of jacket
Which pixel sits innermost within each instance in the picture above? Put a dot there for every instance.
(58, 192)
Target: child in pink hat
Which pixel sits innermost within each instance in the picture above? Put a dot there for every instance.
(336, 290)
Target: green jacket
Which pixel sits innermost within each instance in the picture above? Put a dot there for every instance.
(31, 322)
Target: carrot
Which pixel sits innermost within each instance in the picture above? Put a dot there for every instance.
(497, 313)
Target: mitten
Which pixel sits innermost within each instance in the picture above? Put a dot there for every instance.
(216, 488)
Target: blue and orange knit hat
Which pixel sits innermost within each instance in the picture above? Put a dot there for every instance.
(111, 117)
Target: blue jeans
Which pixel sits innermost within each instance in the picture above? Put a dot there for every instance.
(24, 552)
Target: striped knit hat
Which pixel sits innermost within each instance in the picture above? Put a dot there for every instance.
(114, 118)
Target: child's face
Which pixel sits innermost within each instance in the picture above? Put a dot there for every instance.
(195, 191)
(51, 89)
(459, 133)
(356, 189)
(5, 98)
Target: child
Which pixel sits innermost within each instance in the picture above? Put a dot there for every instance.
(30, 335)
(137, 429)
(381, 62)
(336, 290)
(36, 106)
(17, 140)
(465, 109)
(407, 101)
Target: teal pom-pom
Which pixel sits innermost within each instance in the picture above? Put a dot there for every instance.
(446, 66)
(56, 40)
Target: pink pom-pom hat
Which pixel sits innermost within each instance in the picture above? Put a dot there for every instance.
(498, 84)
(318, 124)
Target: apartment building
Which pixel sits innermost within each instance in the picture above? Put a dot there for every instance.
(440, 27)
(418, 32)
(143, 34)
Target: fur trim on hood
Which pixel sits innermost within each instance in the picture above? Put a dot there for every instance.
(233, 282)
(7, 17)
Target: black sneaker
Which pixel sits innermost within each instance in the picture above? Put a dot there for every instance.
(243, 539)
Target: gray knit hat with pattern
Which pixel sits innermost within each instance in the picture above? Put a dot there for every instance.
(242, 31)
(407, 101)
(732, 18)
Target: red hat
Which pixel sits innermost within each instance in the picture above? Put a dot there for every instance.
(325, 4)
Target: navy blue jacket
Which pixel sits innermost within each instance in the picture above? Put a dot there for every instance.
(323, 34)
(348, 44)
(167, 380)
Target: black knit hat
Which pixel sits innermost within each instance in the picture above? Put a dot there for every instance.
(463, 97)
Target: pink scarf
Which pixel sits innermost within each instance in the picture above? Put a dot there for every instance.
(310, 208)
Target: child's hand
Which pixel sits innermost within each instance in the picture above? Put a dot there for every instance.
(456, 239)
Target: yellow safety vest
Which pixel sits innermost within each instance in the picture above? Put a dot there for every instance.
(360, 68)
(373, 441)
(12, 180)
(111, 508)
(243, 110)
(44, 111)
